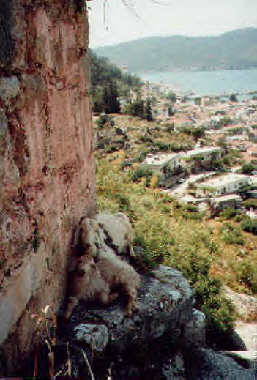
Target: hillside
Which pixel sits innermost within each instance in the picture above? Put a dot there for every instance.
(109, 83)
(231, 50)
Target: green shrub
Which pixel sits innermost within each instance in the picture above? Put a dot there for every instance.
(103, 120)
(193, 215)
(141, 156)
(248, 168)
(140, 173)
(191, 208)
(249, 225)
(218, 310)
(246, 272)
(250, 203)
(229, 213)
(232, 234)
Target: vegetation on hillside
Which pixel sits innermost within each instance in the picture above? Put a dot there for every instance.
(109, 84)
(231, 50)
(209, 252)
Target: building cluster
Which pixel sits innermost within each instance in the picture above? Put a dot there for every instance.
(191, 176)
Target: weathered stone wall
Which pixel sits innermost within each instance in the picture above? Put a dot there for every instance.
(46, 157)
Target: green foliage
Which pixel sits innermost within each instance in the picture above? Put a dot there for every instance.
(141, 156)
(171, 96)
(229, 213)
(222, 143)
(226, 120)
(198, 101)
(248, 168)
(233, 98)
(196, 132)
(234, 49)
(140, 173)
(235, 131)
(246, 271)
(218, 310)
(108, 84)
(172, 147)
(148, 115)
(140, 108)
(103, 120)
(249, 225)
(166, 232)
(250, 203)
(110, 98)
(231, 158)
(231, 234)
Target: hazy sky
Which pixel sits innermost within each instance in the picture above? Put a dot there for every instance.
(187, 17)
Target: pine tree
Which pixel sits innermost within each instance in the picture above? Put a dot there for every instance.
(148, 115)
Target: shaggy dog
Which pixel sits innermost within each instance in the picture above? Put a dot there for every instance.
(103, 280)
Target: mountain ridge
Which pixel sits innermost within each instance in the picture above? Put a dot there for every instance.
(235, 49)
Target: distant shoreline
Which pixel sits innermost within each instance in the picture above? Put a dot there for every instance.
(221, 83)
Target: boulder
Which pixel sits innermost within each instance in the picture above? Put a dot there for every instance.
(206, 364)
(245, 305)
(163, 339)
(94, 336)
(165, 307)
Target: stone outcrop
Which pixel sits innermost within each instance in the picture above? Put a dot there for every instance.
(46, 154)
(246, 306)
(206, 364)
(157, 328)
(163, 339)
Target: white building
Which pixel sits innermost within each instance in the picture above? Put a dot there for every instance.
(207, 153)
(227, 184)
(156, 162)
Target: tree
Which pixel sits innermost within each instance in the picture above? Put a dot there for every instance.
(110, 98)
(233, 98)
(172, 97)
(148, 110)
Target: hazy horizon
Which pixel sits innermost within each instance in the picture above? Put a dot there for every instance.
(173, 35)
(118, 24)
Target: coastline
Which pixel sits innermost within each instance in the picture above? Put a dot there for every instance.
(221, 83)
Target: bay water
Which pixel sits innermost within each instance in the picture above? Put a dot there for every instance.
(220, 82)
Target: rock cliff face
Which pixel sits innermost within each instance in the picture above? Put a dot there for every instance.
(46, 156)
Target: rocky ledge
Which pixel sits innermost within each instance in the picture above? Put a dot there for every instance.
(132, 346)
(163, 339)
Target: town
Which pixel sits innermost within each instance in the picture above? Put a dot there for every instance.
(198, 175)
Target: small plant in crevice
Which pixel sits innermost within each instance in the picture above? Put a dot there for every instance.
(46, 326)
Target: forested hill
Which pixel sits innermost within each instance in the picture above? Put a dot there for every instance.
(231, 50)
(109, 83)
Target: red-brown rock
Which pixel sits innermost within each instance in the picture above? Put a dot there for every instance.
(46, 156)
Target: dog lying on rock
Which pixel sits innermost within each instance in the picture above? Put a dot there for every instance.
(102, 280)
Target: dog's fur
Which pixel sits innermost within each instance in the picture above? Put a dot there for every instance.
(102, 280)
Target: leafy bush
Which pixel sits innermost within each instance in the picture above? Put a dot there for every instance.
(191, 208)
(141, 156)
(249, 225)
(246, 272)
(250, 203)
(140, 173)
(248, 168)
(103, 120)
(233, 98)
(193, 215)
(232, 234)
(229, 213)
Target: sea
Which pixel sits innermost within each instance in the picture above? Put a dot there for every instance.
(204, 83)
